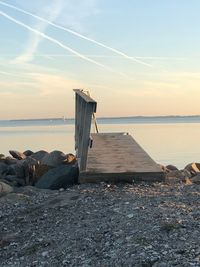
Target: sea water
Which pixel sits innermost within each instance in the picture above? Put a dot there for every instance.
(168, 140)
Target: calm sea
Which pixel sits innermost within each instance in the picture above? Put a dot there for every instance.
(168, 140)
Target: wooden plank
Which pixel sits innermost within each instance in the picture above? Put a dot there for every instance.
(86, 97)
(118, 156)
(88, 110)
(85, 107)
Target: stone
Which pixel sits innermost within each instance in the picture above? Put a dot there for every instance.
(45, 253)
(14, 181)
(25, 171)
(40, 170)
(59, 177)
(53, 159)
(3, 169)
(196, 179)
(193, 168)
(10, 160)
(17, 155)
(11, 170)
(2, 158)
(31, 161)
(28, 153)
(5, 188)
(187, 181)
(176, 174)
(70, 159)
(39, 155)
(163, 168)
(171, 168)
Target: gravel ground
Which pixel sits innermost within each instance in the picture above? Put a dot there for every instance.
(102, 225)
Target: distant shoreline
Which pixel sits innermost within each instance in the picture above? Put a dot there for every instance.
(112, 118)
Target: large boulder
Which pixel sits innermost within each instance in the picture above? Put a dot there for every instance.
(193, 168)
(10, 161)
(39, 155)
(31, 161)
(196, 179)
(5, 188)
(40, 170)
(17, 155)
(53, 159)
(171, 168)
(28, 153)
(59, 177)
(14, 181)
(25, 171)
(3, 169)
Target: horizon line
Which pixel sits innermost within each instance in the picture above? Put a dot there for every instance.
(105, 117)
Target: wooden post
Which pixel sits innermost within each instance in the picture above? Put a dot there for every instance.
(85, 107)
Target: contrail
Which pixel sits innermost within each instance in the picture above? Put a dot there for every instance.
(77, 34)
(61, 44)
(52, 12)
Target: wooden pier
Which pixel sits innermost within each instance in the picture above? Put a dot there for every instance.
(110, 157)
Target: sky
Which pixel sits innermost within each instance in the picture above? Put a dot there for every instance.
(135, 57)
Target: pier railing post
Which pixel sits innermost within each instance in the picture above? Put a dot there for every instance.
(85, 106)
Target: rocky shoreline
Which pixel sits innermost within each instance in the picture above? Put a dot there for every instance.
(136, 224)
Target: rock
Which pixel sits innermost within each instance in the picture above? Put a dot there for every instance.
(131, 215)
(196, 179)
(10, 161)
(171, 168)
(193, 168)
(59, 177)
(2, 158)
(187, 181)
(45, 253)
(25, 171)
(5, 188)
(40, 170)
(39, 155)
(163, 168)
(53, 159)
(14, 181)
(11, 170)
(69, 159)
(186, 173)
(31, 161)
(3, 169)
(17, 155)
(175, 174)
(28, 153)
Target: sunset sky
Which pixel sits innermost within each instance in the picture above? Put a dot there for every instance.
(136, 57)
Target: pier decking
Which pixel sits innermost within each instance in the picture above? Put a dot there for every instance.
(110, 157)
(118, 157)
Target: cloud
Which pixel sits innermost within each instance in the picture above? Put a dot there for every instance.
(78, 34)
(51, 11)
(50, 84)
(55, 41)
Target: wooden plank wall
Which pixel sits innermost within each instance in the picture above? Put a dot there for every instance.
(85, 106)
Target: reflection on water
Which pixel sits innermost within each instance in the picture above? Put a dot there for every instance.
(59, 137)
(166, 143)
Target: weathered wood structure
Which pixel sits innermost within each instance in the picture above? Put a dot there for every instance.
(85, 108)
(109, 156)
